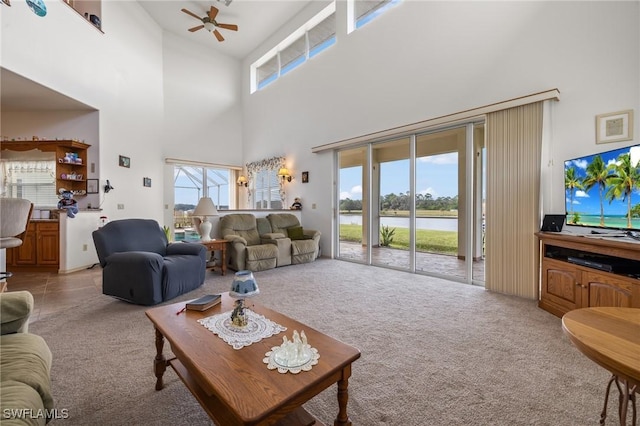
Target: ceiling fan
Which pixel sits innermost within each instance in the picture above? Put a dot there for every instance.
(210, 24)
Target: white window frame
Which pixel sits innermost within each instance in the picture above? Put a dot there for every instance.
(303, 31)
(356, 22)
(34, 180)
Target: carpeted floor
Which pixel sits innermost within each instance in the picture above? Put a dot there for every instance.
(433, 353)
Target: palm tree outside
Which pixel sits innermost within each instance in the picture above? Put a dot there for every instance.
(624, 179)
(597, 174)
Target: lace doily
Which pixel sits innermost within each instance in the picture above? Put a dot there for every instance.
(280, 357)
(258, 327)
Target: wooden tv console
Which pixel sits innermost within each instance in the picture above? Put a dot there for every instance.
(566, 284)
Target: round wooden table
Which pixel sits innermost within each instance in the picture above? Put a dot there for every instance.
(611, 338)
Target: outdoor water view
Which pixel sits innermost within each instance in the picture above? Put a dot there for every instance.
(436, 222)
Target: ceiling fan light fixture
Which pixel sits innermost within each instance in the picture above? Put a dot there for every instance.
(209, 26)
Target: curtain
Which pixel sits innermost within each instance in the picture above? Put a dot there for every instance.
(514, 140)
(273, 164)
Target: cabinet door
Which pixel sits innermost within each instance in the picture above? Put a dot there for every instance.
(607, 290)
(48, 245)
(26, 253)
(561, 285)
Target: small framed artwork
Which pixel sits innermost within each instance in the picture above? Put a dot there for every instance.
(124, 161)
(146, 182)
(305, 177)
(92, 186)
(614, 127)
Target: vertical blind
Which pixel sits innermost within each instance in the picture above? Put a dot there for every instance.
(514, 141)
(296, 51)
(322, 32)
(366, 7)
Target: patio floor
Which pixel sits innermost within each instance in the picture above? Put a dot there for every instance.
(428, 263)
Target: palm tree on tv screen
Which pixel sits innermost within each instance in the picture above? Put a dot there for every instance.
(625, 178)
(597, 174)
(571, 183)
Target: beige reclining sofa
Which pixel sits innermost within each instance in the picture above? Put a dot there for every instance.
(257, 244)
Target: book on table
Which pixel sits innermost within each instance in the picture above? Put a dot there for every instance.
(203, 303)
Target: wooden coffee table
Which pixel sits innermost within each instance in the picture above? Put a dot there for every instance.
(234, 386)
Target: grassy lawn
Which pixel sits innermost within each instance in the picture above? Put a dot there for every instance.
(445, 242)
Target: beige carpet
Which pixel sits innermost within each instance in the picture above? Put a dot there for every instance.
(433, 353)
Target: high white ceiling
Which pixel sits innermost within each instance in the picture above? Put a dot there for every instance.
(256, 20)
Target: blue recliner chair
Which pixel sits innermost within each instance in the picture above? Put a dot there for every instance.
(140, 266)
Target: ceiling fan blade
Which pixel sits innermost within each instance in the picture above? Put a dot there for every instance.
(231, 27)
(218, 35)
(191, 14)
(213, 12)
(199, 27)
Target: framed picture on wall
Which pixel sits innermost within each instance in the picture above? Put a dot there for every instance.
(614, 127)
(92, 186)
(146, 182)
(124, 161)
(305, 177)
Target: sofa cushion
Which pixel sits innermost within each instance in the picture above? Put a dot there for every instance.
(15, 308)
(26, 358)
(262, 251)
(18, 396)
(295, 233)
(129, 235)
(178, 274)
(241, 224)
(280, 222)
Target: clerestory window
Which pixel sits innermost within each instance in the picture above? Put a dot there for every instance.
(364, 11)
(313, 37)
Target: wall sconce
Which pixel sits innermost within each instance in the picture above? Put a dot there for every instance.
(242, 181)
(284, 174)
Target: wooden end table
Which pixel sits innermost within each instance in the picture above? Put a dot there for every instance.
(220, 245)
(235, 387)
(610, 337)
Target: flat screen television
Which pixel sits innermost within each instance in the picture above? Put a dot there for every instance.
(603, 189)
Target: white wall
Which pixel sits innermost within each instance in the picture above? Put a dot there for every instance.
(422, 60)
(202, 109)
(161, 97)
(156, 97)
(119, 73)
(79, 125)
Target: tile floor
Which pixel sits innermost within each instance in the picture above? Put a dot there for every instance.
(54, 292)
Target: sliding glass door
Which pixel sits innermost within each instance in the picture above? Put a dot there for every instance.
(391, 207)
(440, 213)
(416, 203)
(352, 164)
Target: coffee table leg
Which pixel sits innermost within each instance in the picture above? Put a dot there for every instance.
(160, 362)
(343, 398)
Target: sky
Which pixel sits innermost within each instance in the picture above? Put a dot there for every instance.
(589, 202)
(436, 175)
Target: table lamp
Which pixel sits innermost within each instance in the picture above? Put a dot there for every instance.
(244, 285)
(205, 208)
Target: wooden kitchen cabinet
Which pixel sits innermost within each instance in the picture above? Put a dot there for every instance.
(40, 249)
